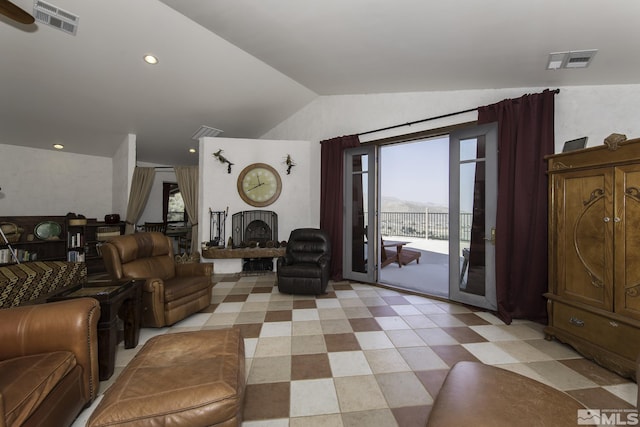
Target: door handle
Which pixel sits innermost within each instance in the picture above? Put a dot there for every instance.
(492, 239)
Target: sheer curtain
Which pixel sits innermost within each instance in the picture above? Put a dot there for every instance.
(331, 195)
(525, 136)
(141, 184)
(187, 177)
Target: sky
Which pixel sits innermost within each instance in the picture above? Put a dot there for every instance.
(416, 172)
(419, 172)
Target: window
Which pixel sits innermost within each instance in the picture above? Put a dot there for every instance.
(173, 205)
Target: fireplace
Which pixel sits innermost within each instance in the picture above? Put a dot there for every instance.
(255, 229)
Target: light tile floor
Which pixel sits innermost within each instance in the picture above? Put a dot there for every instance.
(367, 356)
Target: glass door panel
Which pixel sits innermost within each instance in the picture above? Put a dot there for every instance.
(473, 186)
(359, 223)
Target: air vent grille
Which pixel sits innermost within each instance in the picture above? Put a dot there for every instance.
(55, 17)
(206, 131)
(573, 59)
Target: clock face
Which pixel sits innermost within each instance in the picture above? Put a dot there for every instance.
(259, 184)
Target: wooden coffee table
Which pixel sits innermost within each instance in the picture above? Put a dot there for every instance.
(122, 298)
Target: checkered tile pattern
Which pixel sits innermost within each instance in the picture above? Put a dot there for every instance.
(368, 356)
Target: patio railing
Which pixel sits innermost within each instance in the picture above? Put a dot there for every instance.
(431, 225)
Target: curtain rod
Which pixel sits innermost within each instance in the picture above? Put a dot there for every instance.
(555, 91)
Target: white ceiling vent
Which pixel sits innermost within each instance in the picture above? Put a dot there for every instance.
(206, 131)
(54, 16)
(573, 59)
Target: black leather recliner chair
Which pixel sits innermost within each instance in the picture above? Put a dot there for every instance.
(305, 267)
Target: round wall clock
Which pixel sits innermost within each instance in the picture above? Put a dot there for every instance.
(259, 185)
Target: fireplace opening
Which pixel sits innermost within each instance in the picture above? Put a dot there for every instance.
(255, 229)
(259, 232)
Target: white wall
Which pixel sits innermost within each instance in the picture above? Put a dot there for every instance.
(593, 111)
(47, 182)
(596, 112)
(298, 205)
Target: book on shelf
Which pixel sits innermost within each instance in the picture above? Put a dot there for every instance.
(5, 256)
(75, 256)
(22, 255)
(75, 240)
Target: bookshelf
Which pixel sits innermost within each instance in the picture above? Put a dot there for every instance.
(84, 241)
(69, 240)
(35, 241)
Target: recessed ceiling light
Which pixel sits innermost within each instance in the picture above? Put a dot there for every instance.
(192, 150)
(58, 146)
(150, 59)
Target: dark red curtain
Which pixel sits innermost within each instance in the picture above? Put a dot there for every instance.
(525, 136)
(331, 194)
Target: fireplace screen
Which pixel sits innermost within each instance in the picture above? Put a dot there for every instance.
(255, 228)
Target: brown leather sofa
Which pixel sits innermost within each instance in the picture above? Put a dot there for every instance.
(48, 362)
(171, 291)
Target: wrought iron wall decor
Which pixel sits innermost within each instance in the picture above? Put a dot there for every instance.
(290, 163)
(222, 159)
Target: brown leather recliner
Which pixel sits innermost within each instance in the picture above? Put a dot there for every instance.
(48, 362)
(171, 291)
(304, 269)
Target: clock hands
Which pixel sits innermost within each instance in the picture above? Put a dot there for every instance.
(256, 186)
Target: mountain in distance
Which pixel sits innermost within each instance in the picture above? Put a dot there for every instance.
(393, 204)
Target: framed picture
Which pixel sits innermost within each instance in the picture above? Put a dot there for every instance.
(575, 144)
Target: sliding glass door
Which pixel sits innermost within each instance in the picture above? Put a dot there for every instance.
(455, 238)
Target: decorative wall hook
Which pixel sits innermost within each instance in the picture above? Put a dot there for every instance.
(218, 155)
(289, 162)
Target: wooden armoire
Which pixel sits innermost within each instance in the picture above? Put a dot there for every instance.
(594, 253)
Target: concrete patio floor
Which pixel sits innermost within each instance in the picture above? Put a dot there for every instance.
(430, 276)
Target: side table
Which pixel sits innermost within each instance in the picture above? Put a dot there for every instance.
(122, 298)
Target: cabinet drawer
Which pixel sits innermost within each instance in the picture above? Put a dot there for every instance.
(617, 337)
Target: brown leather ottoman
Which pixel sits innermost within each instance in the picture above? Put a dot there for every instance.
(182, 379)
(474, 394)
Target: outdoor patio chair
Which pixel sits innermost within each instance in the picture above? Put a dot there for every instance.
(389, 254)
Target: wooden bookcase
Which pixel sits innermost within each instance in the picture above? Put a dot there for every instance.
(84, 242)
(79, 243)
(29, 247)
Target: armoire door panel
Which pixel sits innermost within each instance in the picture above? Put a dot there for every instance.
(585, 237)
(627, 240)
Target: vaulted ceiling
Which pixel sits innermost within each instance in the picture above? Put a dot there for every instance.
(243, 66)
